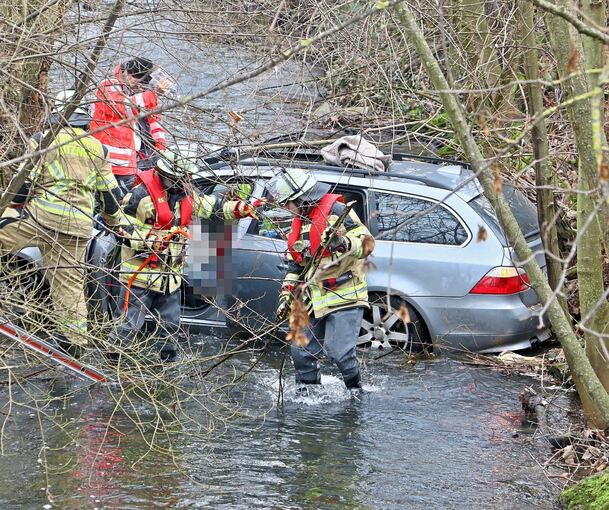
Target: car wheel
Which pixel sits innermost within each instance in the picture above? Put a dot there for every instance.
(382, 327)
(23, 292)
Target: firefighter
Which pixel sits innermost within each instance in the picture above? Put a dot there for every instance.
(337, 301)
(53, 210)
(161, 207)
(120, 99)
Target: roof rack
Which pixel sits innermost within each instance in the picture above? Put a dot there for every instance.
(398, 156)
(362, 172)
(310, 154)
(313, 160)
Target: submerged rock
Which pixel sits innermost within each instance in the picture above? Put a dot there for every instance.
(588, 494)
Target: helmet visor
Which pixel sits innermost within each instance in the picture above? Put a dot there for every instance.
(178, 162)
(279, 190)
(285, 187)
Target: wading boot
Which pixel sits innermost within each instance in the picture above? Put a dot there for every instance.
(353, 382)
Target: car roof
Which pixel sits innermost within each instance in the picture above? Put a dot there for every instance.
(433, 172)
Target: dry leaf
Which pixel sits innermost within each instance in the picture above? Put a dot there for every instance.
(298, 321)
(367, 245)
(568, 455)
(403, 314)
(482, 121)
(482, 234)
(603, 173)
(235, 116)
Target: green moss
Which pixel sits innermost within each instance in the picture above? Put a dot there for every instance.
(588, 494)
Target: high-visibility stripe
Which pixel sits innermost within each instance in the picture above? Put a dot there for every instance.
(35, 173)
(124, 151)
(54, 193)
(56, 170)
(139, 99)
(90, 181)
(84, 147)
(338, 296)
(79, 152)
(62, 209)
(119, 162)
(157, 132)
(120, 156)
(104, 183)
(206, 205)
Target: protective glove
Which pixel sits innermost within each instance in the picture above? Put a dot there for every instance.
(339, 244)
(285, 297)
(247, 209)
(284, 306)
(156, 244)
(163, 85)
(122, 236)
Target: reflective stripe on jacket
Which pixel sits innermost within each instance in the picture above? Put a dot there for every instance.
(115, 103)
(65, 182)
(343, 285)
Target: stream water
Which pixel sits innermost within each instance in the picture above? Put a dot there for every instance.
(434, 435)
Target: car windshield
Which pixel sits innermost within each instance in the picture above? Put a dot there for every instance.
(524, 210)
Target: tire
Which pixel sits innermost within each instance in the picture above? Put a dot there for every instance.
(383, 329)
(24, 293)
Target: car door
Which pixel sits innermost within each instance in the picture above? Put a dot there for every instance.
(258, 267)
(259, 261)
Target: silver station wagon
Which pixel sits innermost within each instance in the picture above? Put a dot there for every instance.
(440, 252)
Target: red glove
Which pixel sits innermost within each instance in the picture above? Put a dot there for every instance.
(246, 209)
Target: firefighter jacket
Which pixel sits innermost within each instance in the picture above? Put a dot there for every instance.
(117, 103)
(153, 256)
(60, 193)
(341, 286)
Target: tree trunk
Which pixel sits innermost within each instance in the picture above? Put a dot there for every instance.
(594, 10)
(544, 178)
(480, 60)
(586, 380)
(585, 119)
(28, 28)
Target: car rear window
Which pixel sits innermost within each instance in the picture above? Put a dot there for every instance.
(414, 220)
(523, 209)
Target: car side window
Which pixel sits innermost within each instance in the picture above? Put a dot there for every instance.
(354, 195)
(414, 220)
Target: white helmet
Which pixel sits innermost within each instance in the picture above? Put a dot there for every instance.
(291, 184)
(80, 117)
(178, 161)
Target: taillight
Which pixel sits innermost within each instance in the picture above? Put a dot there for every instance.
(502, 280)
